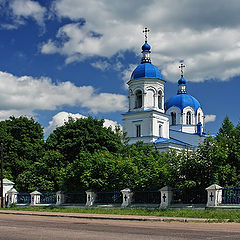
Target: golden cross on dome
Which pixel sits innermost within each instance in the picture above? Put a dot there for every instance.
(181, 67)
(146, 31)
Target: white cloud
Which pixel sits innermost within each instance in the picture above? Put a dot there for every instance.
(8, 26)
(27, 8)
(49, 48)
(60, 118)
(202, 33)
(5, 114)
(126, 74)
(112, 124)
(102, 65)
(23, 95)
(210, 118)
(106, 102)
(78, 42)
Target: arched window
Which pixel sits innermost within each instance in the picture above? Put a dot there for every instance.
(130, 94)
(189, 120)
(173, 117)
(138, 99)
(160, 105)
(199, 117)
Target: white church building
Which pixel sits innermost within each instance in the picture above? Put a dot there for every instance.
(177, 123)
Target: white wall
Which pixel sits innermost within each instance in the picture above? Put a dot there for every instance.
(181, 119)
(149, 121)
(178, 115)
(150, 89)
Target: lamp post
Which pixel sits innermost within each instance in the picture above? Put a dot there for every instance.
(2, 203)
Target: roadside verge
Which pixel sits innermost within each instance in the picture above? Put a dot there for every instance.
(111, 216)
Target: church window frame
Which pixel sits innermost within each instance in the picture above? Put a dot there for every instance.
(199, 117)
(173, 118)
(138, 130)
(160, 96)
(189, 118)
(138, 98)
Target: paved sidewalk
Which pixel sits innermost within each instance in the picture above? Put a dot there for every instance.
(108, 216)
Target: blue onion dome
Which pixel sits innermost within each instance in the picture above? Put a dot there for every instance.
(182, 81)
(146, 47)
(146, 70)
(183, 100)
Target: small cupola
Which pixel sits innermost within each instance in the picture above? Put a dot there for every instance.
(182, 82)
(146, 48)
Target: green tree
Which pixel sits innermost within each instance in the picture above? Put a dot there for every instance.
(45, 173)
(146, 167)
(91, 171)
(226, 131)
(23, 143)
(85, 134)
(228, 138)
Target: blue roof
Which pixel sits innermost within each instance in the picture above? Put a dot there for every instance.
(171, 140)
(146, 47)
(183, 100)
(146, 70)
(182, 81)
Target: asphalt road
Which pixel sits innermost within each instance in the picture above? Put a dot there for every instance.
(41, 227)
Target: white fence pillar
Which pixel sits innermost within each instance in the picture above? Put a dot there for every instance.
(12, 196)
(35, 197)
(127, 197)
(60, 198)
(7, 185)
(214, 193)
(166, 196)
(91, 197)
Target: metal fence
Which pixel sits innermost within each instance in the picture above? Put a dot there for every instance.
(48, 198)
(112, 197)
(189, 196)
(231, 195)
(23, 198)
(147, 197)
(75, 198)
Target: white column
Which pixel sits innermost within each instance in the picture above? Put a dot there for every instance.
(60, 198)
(127, 197)
(35, 197)
(214, 193)
(91, 197)
(12, 196)
(166, 196)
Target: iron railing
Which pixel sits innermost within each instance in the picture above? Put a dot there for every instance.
(48, 198)
(111, 197)
(189, 196)
(149, 196)
(231, 195)
(23, 198)
(75, 198)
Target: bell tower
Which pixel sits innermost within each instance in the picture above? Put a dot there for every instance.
(146, 119)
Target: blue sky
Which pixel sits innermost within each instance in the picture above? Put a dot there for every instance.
(74, 57)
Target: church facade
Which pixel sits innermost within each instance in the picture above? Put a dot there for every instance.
(177, 123)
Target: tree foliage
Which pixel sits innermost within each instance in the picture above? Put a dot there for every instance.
(22, 139)
(82, 154)
(84, 134)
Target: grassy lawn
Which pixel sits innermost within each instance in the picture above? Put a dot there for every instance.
(219, 214)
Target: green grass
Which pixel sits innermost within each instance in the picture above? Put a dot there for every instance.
(219, 214)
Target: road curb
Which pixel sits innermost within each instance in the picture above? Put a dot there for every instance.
(112, 217)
